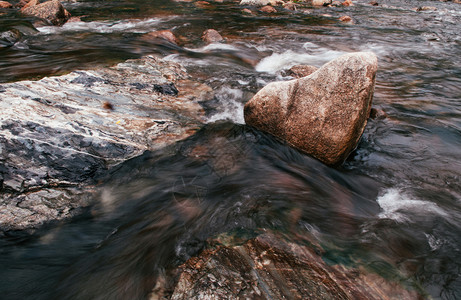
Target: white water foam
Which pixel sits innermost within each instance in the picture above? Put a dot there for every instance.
(135, 26)
(282, 61)
(215, 46)
(399, 206)
(229, 106)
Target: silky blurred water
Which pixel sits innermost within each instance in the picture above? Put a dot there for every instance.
(394, 205)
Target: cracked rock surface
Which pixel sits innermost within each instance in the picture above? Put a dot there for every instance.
(60, 133)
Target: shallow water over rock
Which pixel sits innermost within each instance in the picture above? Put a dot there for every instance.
(394, 206)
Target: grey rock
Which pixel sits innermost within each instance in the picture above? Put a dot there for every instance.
(255, 2)
(58, 131)
(323, 114)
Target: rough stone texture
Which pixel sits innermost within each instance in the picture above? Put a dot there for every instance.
(30, 3)
(323, 114)
(211, 36)
(299, 71)
(255, 2)
(5, 4)
(58, 132)
(268, 267)
(52, 11)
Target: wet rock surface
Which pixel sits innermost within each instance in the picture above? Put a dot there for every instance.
(211, 36)
(299, 71)
(5, 4)
(59, 133)
(269, 267)
(51, 11)
(323, 114)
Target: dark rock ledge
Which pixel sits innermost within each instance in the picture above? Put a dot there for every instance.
(58, 133)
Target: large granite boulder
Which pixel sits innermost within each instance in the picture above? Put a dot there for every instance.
(51, 11)
(58, 133)
(268, 267)
(323, 114)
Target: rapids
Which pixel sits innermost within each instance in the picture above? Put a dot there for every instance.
(394, 206)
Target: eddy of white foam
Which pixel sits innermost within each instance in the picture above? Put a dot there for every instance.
(399, 206)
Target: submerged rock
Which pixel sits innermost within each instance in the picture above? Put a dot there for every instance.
(51, 11)
(268, 9)
(9, 38)
(323, 114)
(58, 132)
(345, 19)
(211, 36)
(167, 35)
(268, 267)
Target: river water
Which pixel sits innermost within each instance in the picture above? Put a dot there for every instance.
(394, 206)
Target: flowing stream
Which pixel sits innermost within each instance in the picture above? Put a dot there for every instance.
(394, 206)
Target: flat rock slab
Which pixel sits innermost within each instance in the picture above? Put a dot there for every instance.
(268, 267)
(60, 132)
(323, 114)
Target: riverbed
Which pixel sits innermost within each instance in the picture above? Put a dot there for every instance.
(394, 206)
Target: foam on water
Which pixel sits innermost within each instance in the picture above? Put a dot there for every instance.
(283, 61)
(399, 206)
(229, 107)
(135, 26)
(216, 46)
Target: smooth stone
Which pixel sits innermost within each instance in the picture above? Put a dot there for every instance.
(323, 114)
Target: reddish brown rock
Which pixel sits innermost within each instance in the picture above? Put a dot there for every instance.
(52, 11)
(345, 19)
(211, 36)
(202, 4)
(299, 71)
(5, 4)
(268, 9)
(323, 114)
(30, 3)
(268, 267)
(347, 3)
(167, 35)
